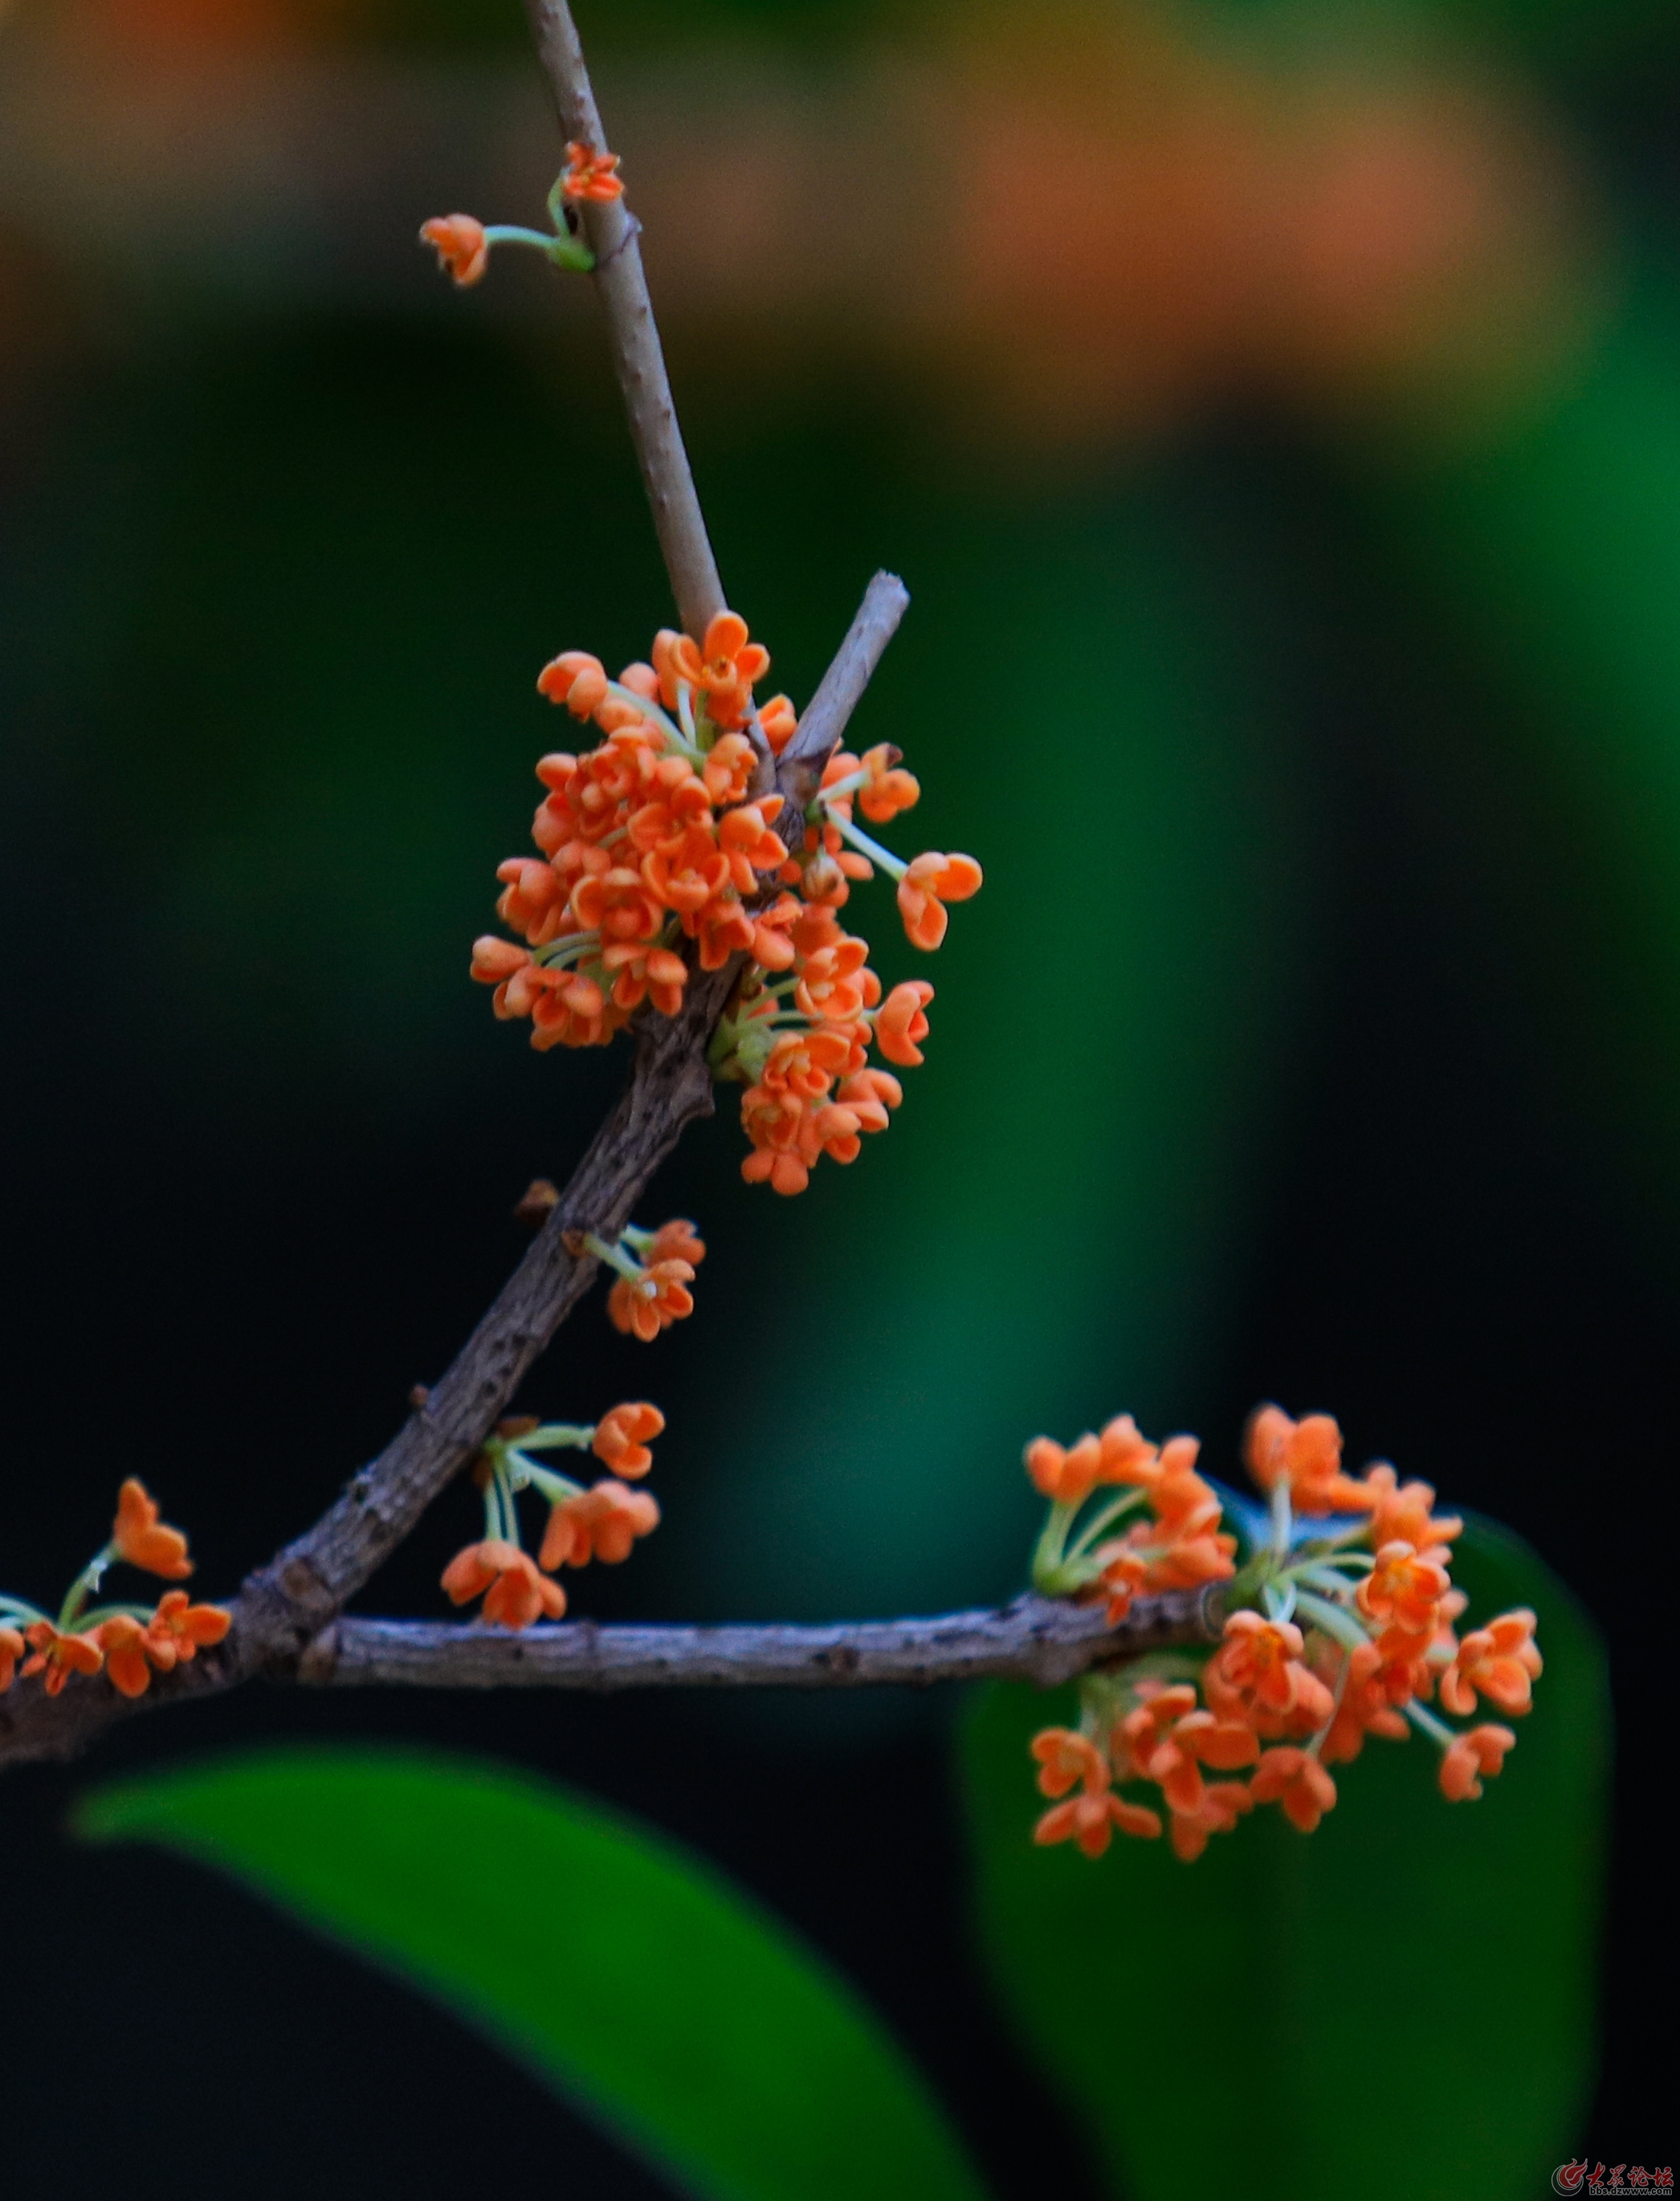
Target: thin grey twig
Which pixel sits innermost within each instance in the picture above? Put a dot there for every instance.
(611, 233)
(800, 767)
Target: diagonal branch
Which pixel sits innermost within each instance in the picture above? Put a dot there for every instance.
(286, 1617)
(285, 1606)
(611, 231)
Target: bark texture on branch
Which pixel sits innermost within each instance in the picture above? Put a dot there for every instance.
(1034, 1639)
(611, 231)
(800, 767)
(289, 1606)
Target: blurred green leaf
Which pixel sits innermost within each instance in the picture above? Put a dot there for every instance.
(695, 2027)
(1399, 2005)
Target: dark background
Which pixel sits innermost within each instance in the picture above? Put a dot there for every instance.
(1329, 808)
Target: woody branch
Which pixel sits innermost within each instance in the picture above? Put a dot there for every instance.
(288, 1606)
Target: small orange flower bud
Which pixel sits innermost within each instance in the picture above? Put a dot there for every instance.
(460, 244)
(138, 1536)
(494, 959)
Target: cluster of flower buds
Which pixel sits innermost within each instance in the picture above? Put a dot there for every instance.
(1331, 1634)
(657, 855)
(601, 1520)
(129, 1642)
(463, 243)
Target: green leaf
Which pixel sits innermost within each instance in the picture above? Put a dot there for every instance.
(1399, 2005)
(697, 2029)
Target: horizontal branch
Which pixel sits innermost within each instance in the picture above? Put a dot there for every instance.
(1033, 1639)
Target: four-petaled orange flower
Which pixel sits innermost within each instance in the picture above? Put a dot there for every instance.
(1068, 1760)
(590, 175)
(12, 1648)
(930, 882)
(123, 1640)
(57, 1656)
(623, 1434)
(513, 1591)
(1296, 1781)
(1091, 1821)
(140, 1537)
(601, 1524)
(1480, 1750)
(460, 244)
(643, 1305)
(179, 1629)
(1404, 1589)
(1307, 1455)
(1500, 1660)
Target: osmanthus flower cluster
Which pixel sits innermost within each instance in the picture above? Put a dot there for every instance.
(663, 847)
(601, 1520)
(657, 857)
(1330, 1635)
(129, 1642)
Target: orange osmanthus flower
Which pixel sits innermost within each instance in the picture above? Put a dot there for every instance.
(1091, 1821)
(1500, 1660)
(123, 1640)
(623, 1434)
(55, 1655)
(930, 882)
(460, 244)
(1307, 1455)
(1223, 1803)
(179, 1629)
(1482, 1750)
(12, 1648)
(1295, 1780)
(654, 1300)
(1066, 1474)
(589, 174)
(901, 1022)
(513, 1591)
(140, 1537)
(1258, 1672)
(1404, 1590)
(1400, 1512)
(887, 790)
(601, 1524)
(1068, 1760)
